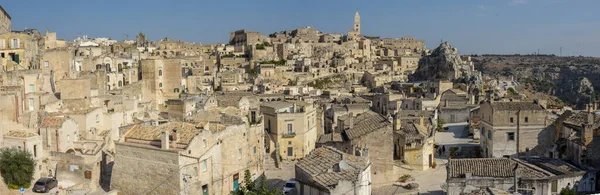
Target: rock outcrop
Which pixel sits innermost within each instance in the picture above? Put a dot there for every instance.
(574, 80)
(445, 63)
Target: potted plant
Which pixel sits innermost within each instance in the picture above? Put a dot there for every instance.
(405, 178)
(433, 165)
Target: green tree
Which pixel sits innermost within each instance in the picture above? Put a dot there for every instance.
(565, 191)
(440, 124)
(250, 188)
(16, 167)
(511, 91)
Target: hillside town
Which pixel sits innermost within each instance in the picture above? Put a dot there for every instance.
(302, 111)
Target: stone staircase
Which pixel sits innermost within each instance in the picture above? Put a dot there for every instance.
(270, 163)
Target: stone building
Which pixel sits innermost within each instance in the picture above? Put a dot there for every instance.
(405, 43)
(21, 49)
(413, 143)
(141, 41)
(511, 127)
(162, 80)
(59, 134)
(538, 176)
(333, 113)
(245, 38)
(578, 138)
(26, 141)
(51, 42)
(327, 170)
(58, 61)
(5, 23)
(200, 158)
(456, 106)
(354, 33)
(291, 127)
(369, 134)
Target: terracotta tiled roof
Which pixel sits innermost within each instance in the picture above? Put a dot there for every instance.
(577, 119)
(498, 106)
(53, 122)
(494, 168)
(330, 137)
(22, 134)
(186, 131)
(365, 123)
(322, 165)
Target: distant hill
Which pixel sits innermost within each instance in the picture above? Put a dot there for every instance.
(574, 79)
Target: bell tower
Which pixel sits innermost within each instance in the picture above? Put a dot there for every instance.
(357, 22)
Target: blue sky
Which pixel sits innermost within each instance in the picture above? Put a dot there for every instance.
(473, 26)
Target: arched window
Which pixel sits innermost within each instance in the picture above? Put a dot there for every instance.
(159, 84)
(159, 72)
(176, 90)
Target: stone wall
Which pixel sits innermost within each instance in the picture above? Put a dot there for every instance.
(139, 170)
(381, 153)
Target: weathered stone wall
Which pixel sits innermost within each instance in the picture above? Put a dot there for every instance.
(140, 170)
(454, 115)
(381, 153)
(74, 89)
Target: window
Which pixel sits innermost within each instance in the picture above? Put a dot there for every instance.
(176, 90)
(159, 72)
(203, 165)
(107, 78)
(510, 136)
(511, 119)
(254, 150)
(35, 151)
(239, 153)
(160, 85)
(526, 119)
(204, 143)
(97, 118)
(31, 88)
(31, 103)
(46, 64)
(290, 151)
(15, 43)
(490, 135)
(289, 128)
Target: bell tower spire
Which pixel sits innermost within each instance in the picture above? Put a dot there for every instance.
(357, 22)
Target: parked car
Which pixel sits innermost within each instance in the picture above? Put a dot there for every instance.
(44, 185)
(289, 186)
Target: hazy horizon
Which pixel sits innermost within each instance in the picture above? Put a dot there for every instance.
(472, 26)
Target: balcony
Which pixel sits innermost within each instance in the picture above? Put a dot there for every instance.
(288, 134)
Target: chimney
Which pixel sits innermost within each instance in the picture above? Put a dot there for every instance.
(350, 122)
(164, 140)
(422, 121)
(472, 99)
(397, 123)
(587, 132)
(175, 136)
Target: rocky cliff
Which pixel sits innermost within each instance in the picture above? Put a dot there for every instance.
(572, 79)
(445, 63)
